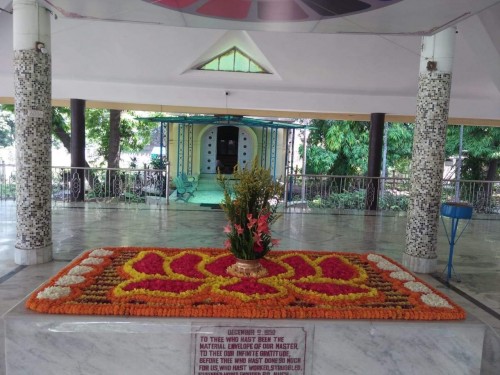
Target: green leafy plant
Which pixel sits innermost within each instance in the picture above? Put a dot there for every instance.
(250, 201)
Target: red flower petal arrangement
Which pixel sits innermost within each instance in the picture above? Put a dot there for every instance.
(195, 283)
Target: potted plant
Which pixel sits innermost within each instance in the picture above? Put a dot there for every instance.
(250, 201)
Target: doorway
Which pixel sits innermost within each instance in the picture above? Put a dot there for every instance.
(227, 148)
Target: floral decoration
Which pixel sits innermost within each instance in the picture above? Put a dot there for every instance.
(196, 283)
(250, 202)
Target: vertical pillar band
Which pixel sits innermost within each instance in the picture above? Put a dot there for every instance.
(374, 158)
(77, 148)
(428, 152)
(33, 109)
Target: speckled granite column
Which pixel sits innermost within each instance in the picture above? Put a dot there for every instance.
(32, 80)
(428, 152)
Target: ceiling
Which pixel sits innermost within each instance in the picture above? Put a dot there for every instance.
(327, 56)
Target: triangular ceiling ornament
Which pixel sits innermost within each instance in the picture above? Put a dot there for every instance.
(241, 47)
(233, 60)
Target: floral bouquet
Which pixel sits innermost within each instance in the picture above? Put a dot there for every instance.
(250, 201)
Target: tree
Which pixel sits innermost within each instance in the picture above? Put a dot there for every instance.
(114, 139)
(341, 147)
(114, 131)
(133, 135)
(481, 145)
(399, 146)
(6, 127)
(337, 147)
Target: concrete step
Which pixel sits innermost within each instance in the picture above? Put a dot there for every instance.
(208, 182)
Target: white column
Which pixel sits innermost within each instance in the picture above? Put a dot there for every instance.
(429, 140)
(32, 96)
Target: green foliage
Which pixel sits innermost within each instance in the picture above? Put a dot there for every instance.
(250, 205)
(349, 139)
(135, 135)
(157, 162)
(60, 122)
(6, 126)
(481, 145)
(319, 160)
(341, 147)
(355, 200)
(399, 146)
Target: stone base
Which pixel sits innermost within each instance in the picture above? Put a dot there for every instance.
(419, 265)
(45, 344)
(150, 199)
(33, 256)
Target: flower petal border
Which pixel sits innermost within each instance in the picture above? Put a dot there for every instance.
(221, 303)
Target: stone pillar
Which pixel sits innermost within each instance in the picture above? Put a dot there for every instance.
(77, 149)
(374, 159)
(429, 151)
(32, 95)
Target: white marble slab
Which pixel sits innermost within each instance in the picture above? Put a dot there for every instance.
(62, 344)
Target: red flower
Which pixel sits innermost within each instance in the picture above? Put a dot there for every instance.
(262, 224)
(238, 228)
(251, 221)
(257, 247)
(256, 239)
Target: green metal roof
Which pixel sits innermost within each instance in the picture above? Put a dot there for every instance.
(224, 120)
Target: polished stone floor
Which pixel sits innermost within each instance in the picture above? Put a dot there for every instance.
(77, 228)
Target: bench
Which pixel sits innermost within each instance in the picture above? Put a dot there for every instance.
(182, 189)
(189, 181)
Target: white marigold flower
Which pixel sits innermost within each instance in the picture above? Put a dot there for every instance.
(69, 280)
(416, 286)
(100, 253)
(80, 270)
(388, 266)
(54, 292)
(434, 300)
(92, 260)
(402, 275)
(375, 258)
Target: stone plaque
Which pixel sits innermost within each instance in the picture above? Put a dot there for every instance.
(221, 350)
(35, 113)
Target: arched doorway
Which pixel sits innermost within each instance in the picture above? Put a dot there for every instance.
(230, 145)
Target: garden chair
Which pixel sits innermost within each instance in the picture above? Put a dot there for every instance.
(189, 181)
(182, 189)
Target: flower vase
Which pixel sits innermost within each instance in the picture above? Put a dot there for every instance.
(247, 268)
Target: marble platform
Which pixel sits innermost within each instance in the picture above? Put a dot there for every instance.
(63, 344)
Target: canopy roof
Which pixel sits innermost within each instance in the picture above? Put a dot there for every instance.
(325, 61)
(224, 120)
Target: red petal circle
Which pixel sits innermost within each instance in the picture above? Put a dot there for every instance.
(186, 265)
(335, 268)
(151, 264)
(301, 267)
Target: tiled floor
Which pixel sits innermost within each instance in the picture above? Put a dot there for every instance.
(477, 254)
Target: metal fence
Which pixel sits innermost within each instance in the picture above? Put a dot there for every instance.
(7, 181)
(101, 185)
(358, 192)
(318, 192)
